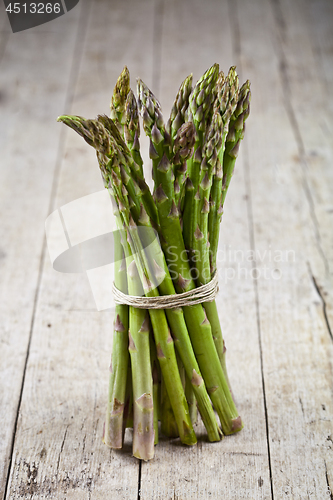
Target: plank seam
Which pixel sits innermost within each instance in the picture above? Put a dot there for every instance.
(236, 45)
(283, 66)
(139, 480)
(252, 243)
(329, 489)
(77, 55)
(324, 305)
(61, 450)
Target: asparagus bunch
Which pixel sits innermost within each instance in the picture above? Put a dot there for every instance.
(168, 362)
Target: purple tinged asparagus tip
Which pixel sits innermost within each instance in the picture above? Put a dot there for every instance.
(132, 225)
(145, 402)
(131, 345)
(121, 206)
(205, 183)
(164, 164)
(160, 195)
(145, 325)
(158, 272)
(153, 154)
(198, 155)
(197, 195)
(143, 217)
(170, 338)
(205, 208)
(182, 282)
(156, 135)
(235, 150)
(201, 97)
(196, 379)
(173, 214)
(198, 235)
(236, 424)
(118, 326)
(205, 321)
(160, 353)
(189, 184)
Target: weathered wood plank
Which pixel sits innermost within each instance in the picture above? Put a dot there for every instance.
(237, 467)
(297, 349)
(32, 88)
(67, 459)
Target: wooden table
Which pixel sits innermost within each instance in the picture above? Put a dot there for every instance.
(275, 263)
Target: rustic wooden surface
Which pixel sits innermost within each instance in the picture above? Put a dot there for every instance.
(276, 311)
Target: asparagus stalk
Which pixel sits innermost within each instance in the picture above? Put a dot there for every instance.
(119, 365)
(143, 425)
(118, 100)
(168, 423)
(181, 337)
(118, 370)
(133, 174)
(228, 154)
(156, 384)
(200, 237)
(143, 421)
(139, 349)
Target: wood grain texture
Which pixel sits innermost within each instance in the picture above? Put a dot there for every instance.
(31, 74)
(296, 344)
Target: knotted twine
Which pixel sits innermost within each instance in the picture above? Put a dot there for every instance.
(203, 293)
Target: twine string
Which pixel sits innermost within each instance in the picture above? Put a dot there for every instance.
(203, 293)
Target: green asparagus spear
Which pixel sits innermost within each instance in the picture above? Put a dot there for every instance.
(119, 364)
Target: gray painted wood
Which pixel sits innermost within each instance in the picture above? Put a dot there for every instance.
(33, 87)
